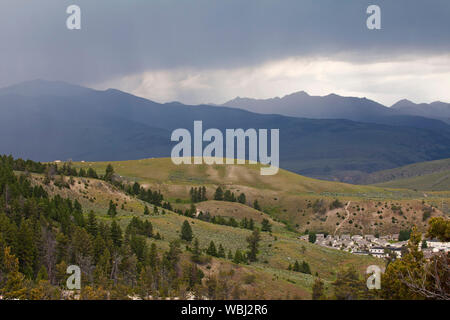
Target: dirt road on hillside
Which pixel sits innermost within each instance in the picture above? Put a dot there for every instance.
(346, 218)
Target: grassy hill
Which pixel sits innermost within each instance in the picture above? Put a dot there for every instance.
(301, 203)
(268, 278)
(428, 175)
(439, 181)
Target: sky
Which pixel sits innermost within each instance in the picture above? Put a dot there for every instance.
(210, 51)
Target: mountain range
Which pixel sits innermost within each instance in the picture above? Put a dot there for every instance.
(332, 106)
(46, 121)
(434, 110)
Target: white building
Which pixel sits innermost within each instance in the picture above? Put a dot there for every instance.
(438, 246)
(377, 252)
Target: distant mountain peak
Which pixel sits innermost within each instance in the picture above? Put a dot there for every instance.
(297, 94)
(403, 103)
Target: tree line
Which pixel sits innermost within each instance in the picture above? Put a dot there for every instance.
(40, 236)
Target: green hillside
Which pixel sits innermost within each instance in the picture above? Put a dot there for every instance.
(149, 229)
(439, 181)
(270, 277)
(430, 175)
(285, 197)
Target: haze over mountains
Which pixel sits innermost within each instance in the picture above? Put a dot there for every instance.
(332, 106)
(46, 121)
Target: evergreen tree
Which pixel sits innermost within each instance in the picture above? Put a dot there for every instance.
(266, 226)
(112, 211)
(256, 205)
(212, 249)
(92, 174)
(253, 245)
(203, 197)
(196, 252)
(82, 173)
(26, 249)
(238, 257)
(42, 274)
(251, 224)
(109, 173)
(242, 199)
(146, 211)
(136, 189)
(116, 234)
(304, 268)
(92, 224)
(244, 223)
(186, 231)
(218, 195)
(221, 252)
(227, 196)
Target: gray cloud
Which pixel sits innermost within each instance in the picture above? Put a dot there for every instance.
(119, 38)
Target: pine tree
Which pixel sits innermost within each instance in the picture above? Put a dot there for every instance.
(296, 266)
(305, 268)
(251, 224)
(203, 198)
(42, 274)
(116, 234)
(26, 249)
(212, 249)
(253, 245)
(266, 226)
(136, 189)
(227, 196)
(218, 195)
(92, 224)
(148, 229)
(109, 173)
(186, 231)
(196, 252)
(244, 223)
(92, 174)
(238, 258)
(82, 173)
(146, 211)
(221, 252)
(256, 205)
(153, 256)
(112, 211)
(241, 198)
(14, 287)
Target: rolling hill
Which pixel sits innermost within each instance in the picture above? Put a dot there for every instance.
(429, 182)
(301, 203)
(266, 279)
(428, 175)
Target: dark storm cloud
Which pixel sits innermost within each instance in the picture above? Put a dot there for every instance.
(123, 37)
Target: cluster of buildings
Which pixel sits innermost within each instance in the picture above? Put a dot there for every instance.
(380, 247)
